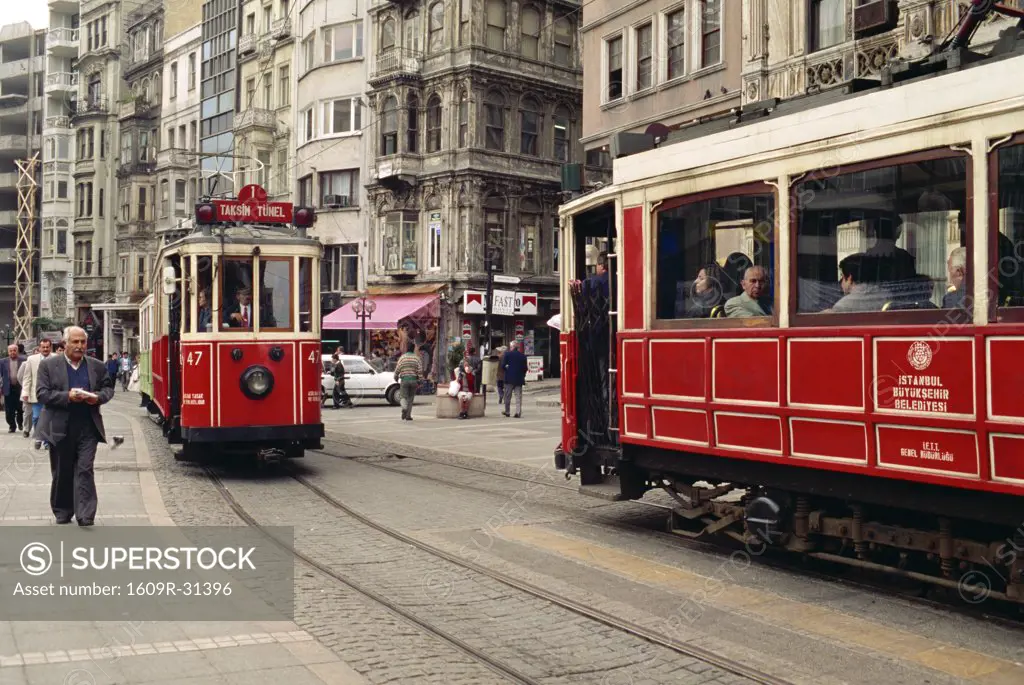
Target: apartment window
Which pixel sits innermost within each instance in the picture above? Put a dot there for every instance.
(412, 108)
(306, 191)
(412, 32)
(307, 52)
(563, 42)
(308, 125)
(434, 241)
(434, 124)
(192, 71)
(560, 128)
(284, 9)
(103, 143)
(339, 188)
(399, 248)
(494, 122)
(339, 269)
(165, 198)
(284, 88)
(263, 168)
(282, 175)
(250, 24)
(142, 204)
(123, 277)
(268, 88)
(711, 32)
(828, 23)
(268, 15)
(342, 116)
(614, 49)
(343, 42)
(99, 200)
(179, 197)
(494, 234)
(126, 203)
(88, 199)
(529, 41)
(644, 57)
(174, 81)
(193, 131)
(463, 119)
(387, 35)
(250, 92)
(62, 190)
(62, 241)
(389, 128)
(140, 275)
(529, 127)
(675, 26)
(79, 201)
(529, 228)
(554, 244)
(191, 198)
(496, 23)
(435, 27)
(144, 146)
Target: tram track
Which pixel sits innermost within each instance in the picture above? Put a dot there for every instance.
(511, 673)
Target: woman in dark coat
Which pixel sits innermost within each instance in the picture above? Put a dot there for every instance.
(707, 292)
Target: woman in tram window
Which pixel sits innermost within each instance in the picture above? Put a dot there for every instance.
(706, 293)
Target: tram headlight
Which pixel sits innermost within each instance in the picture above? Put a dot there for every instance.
(257, 382)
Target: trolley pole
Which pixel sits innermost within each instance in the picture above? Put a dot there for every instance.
(490, 298)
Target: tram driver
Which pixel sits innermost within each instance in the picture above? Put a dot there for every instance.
(754, 300)
(239, 313)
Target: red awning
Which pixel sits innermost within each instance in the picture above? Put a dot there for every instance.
(391, 309)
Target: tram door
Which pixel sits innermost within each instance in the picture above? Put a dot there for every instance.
(172, 425)
(594, 308)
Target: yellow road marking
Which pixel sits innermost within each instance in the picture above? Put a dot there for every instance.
(791, 614)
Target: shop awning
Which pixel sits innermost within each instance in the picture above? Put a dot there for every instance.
(391, 309)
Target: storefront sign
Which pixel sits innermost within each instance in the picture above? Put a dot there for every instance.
(467, 329)
(520, 330)
(534, 368)
(523, 304)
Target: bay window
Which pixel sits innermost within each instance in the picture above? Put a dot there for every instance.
(342, 116)
(342, 42)
(398, 242)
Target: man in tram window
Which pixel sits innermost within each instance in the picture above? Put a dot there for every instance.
(861, 292)
(886, 228)
(239, 313)
(754, 300)
(956, 265)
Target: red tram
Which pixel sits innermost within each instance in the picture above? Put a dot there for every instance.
(235, 357)
(819, 305)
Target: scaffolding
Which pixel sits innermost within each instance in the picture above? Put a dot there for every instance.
(24, 281)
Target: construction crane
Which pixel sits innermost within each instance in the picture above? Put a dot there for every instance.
(24, 277)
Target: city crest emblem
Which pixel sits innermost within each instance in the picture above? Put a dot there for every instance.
(920, 355)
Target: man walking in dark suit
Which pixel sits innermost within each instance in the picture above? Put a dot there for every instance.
(11, 388)
(71, 388)
(514, 363)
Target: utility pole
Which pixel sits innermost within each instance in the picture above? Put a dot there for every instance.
(24, 283)
(489, 299)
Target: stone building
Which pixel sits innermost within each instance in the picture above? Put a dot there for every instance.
(474, 108)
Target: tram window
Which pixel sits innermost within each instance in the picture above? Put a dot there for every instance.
(1010, 218)
(716, 258)
(187, 293)
(275, 303)
(890, 238)
(307, 318)
(236, 290)
(205, 314)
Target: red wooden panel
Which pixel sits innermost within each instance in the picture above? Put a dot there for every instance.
(746, 371)
(844, 360)
(635, 420)
(277, 408)
(158, 364)
(1008, 457)
(748, 431)
(197, 385)
(953, 453)
(567, 345)
(679, 425)
(829, 440)
(925, 376)
(310, 371)
(631, 366)
(1005, 377)
(680, 368)
(633, 267)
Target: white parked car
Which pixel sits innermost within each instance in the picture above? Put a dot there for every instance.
(362, 381)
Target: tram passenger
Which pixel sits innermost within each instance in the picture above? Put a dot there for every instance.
(862, 292)
(753, 301)
(736, 264)
(898, 265)
(956, 265)
(707, 292)
(205, 315)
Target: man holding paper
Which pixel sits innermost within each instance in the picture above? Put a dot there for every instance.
(71, 388)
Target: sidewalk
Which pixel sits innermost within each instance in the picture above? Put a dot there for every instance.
(129, 652)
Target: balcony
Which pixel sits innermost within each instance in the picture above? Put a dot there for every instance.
(176, 158)
(13, 143)
(399, 168)
(62, 42)
(52, 123)
(281, 29)
(135, 229)
(126, 169)
(96, 105)
(248, 44)
(62, 82)
(55, 263)
(252, 119)
(22, 67)
(137, 108)
(56, 167)
(396, 64)
(92, 284)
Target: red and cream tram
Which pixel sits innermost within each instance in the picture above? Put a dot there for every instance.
(235, 359)
(820, 304)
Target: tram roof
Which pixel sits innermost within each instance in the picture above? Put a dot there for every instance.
(235, 234)
(722, 138)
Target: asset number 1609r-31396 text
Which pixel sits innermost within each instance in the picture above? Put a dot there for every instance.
(162, 589)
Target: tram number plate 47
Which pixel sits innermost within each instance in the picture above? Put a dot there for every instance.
(194, 358)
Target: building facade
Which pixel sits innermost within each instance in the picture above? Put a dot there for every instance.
(331, 120)
(94, 117)
(58, 207)
(475, 108)
(660, 63)
(22, 71)
(218, 82)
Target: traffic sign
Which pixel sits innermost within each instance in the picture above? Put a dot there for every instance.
(498, 278)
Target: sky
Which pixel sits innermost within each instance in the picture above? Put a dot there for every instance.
(35, 12)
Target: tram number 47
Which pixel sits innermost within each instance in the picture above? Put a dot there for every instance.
(193, 358)
(314, 357)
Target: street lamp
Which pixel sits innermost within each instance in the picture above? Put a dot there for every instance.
(7, 333)
(364, 309)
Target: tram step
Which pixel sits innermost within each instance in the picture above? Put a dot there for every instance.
(608, 490)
